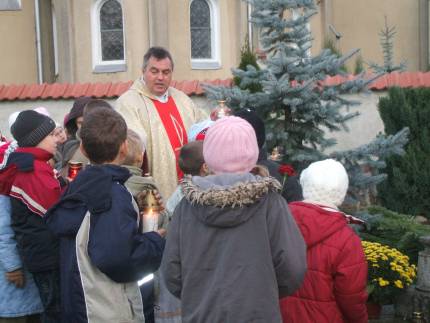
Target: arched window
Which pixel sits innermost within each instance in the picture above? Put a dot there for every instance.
(108, 36)
(204, 34)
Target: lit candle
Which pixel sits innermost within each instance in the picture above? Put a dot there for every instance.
(150, 221)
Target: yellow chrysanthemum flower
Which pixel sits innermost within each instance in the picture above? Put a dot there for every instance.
(398, 284)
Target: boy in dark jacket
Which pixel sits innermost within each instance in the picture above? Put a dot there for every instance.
(102, 253)
(233, 248)
(33, 189)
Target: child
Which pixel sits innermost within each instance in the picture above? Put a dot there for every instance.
(191, 163)
(291, 190)
(103, 254)
(232, 248)
(33, 189)
(70, 149)
(23, 300)
(334, 289)
(139, 186)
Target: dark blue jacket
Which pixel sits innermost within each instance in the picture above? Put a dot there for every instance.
(115, 246)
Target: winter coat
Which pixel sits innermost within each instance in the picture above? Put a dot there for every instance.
(102, 253)
(33, 187)
(232, 250)
(291, 191)
(174, 200)
(15, 302)
(334, 289)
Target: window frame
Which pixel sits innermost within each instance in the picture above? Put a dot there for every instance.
(215, 61)
(99, 65)
(11, 5)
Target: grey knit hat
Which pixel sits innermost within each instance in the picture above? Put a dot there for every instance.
(31, 127)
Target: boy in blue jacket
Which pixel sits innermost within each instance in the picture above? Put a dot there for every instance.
(102, 252)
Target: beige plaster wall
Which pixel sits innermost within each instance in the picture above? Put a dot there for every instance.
(17, 50)
(359, 21)
(317, 30)
(137, 40)
(135, 21)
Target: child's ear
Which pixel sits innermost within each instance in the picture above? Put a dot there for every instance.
(123, 151)
(204, 170)
(81, 147)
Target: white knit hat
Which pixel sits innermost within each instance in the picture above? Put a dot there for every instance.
(325, 182)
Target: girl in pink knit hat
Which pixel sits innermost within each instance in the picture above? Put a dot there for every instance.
(233, 248)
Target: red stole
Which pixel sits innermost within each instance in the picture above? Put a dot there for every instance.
(174, 126)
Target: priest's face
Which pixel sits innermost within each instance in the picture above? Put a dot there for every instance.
(158, 75)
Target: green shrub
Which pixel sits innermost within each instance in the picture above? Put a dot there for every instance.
(329, 43)
(408, 183)
(247, 57)
(396, 230)
(359, 65)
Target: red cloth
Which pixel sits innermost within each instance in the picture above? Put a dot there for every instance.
(174, 126)
(334, 288)
(38, 189)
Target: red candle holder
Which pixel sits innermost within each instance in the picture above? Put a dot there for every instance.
(74, 168)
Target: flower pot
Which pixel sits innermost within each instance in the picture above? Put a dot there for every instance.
(373, 310)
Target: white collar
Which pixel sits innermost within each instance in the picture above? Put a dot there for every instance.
(164, 98)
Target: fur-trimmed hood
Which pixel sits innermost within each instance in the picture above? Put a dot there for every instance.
(220, 200)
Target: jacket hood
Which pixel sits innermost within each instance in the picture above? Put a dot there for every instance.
(76, 112)
(317, 222)
(14, 159)
(220, 200)
(90, 191)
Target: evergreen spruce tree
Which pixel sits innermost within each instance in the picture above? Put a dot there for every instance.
(295, 103)
(387, 37)
(408, 183)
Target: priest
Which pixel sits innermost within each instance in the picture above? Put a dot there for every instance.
(161, 115)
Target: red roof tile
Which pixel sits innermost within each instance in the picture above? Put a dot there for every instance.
(54, 91)
(32, 91)
(192, 87)
(11, 92)
(98, 90)
(118, 88)
(76, 90)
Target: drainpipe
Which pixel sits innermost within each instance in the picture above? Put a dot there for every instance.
(250, 26)
(38, 43)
